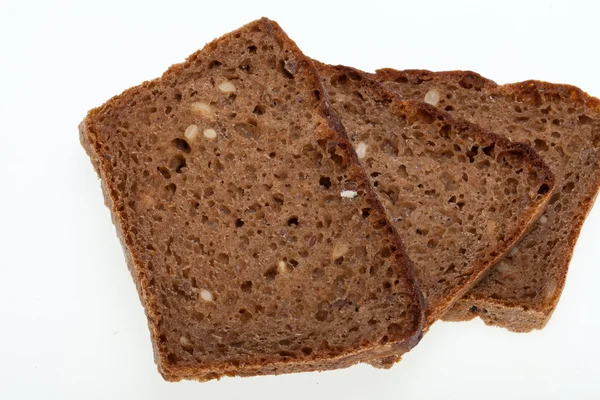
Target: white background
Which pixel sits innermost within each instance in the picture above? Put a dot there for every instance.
(71, 325)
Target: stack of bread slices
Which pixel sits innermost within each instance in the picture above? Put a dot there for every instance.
(282, 215)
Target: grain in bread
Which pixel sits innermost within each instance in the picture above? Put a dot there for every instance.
(563, 124)
(242, 210)
(461, 196)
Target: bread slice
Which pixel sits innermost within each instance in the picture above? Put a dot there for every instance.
(251, 231)
(563, 124)
(461, 196)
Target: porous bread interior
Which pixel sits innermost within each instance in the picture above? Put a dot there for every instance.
(562, 123)
(460, 197)
(224, 177)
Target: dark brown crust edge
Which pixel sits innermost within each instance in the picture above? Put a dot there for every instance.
(420, 75)
(514, 317)
(530, 156)
(564, 92)
(333, 131)
(495, 312)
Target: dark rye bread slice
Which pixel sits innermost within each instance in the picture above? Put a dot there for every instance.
(563, 124)
(460, 196)
(255, 241)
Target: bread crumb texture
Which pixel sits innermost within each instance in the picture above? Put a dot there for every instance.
(562, 123)
(224, 179)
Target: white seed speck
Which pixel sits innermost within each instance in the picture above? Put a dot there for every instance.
(191, 132)
(361, 149)
(550, 290)
(339, 250)
(432, 97)
(226, 87)
(503, 267)
(348, 194)
(210, 134)
(206, 295)
(184, 341)
(202, 110)
(543, 219)
(282, 267)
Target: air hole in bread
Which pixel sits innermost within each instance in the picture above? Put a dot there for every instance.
(246, 66)
(182, 144)
(321, 315)
(259, 109)
(472, 153)
(171, 188)
(293, 221)
(325, 181)
(568, 187)
(214, 64)
(540, 145)
(270, 274)
(365, 212)
(178, 162)
(164, 172)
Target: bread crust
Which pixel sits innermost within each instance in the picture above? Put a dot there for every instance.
(480, 135)
(334, 133)
(513, 315)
